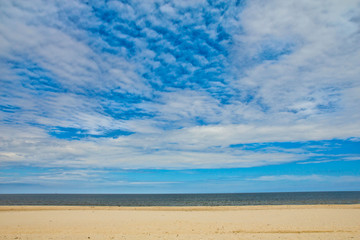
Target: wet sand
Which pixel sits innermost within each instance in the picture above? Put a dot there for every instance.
(245, 222)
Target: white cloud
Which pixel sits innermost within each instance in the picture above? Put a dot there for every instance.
(203, 147)
(83, 177)
(320, 68)
(168, 9)
(313, 177)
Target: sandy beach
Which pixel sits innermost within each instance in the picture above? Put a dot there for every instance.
(243, 222)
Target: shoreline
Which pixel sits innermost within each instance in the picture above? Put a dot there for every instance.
(177, 208)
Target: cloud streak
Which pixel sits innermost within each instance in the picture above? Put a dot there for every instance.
(341, 179)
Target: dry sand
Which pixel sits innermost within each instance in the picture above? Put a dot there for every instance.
(250, 222)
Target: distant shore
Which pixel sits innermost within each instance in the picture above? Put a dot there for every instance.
(223, 222)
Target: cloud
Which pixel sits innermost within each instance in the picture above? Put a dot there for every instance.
(175, 149)
(308, 68)
(155, 84)
(313, 177)
(61, 177)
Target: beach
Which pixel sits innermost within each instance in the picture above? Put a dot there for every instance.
(230, 222)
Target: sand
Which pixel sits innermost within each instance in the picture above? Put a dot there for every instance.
(246, 222)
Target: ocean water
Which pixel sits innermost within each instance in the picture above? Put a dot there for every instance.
(226, 199)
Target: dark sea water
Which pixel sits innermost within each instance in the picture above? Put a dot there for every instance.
(232, 199)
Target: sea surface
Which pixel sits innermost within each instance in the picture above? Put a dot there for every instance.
(226, 199)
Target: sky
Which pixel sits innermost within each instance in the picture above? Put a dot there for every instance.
(179, 96)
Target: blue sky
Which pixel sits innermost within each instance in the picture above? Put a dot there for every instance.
(179, 96)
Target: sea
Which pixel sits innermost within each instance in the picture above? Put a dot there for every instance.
(216, 199)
